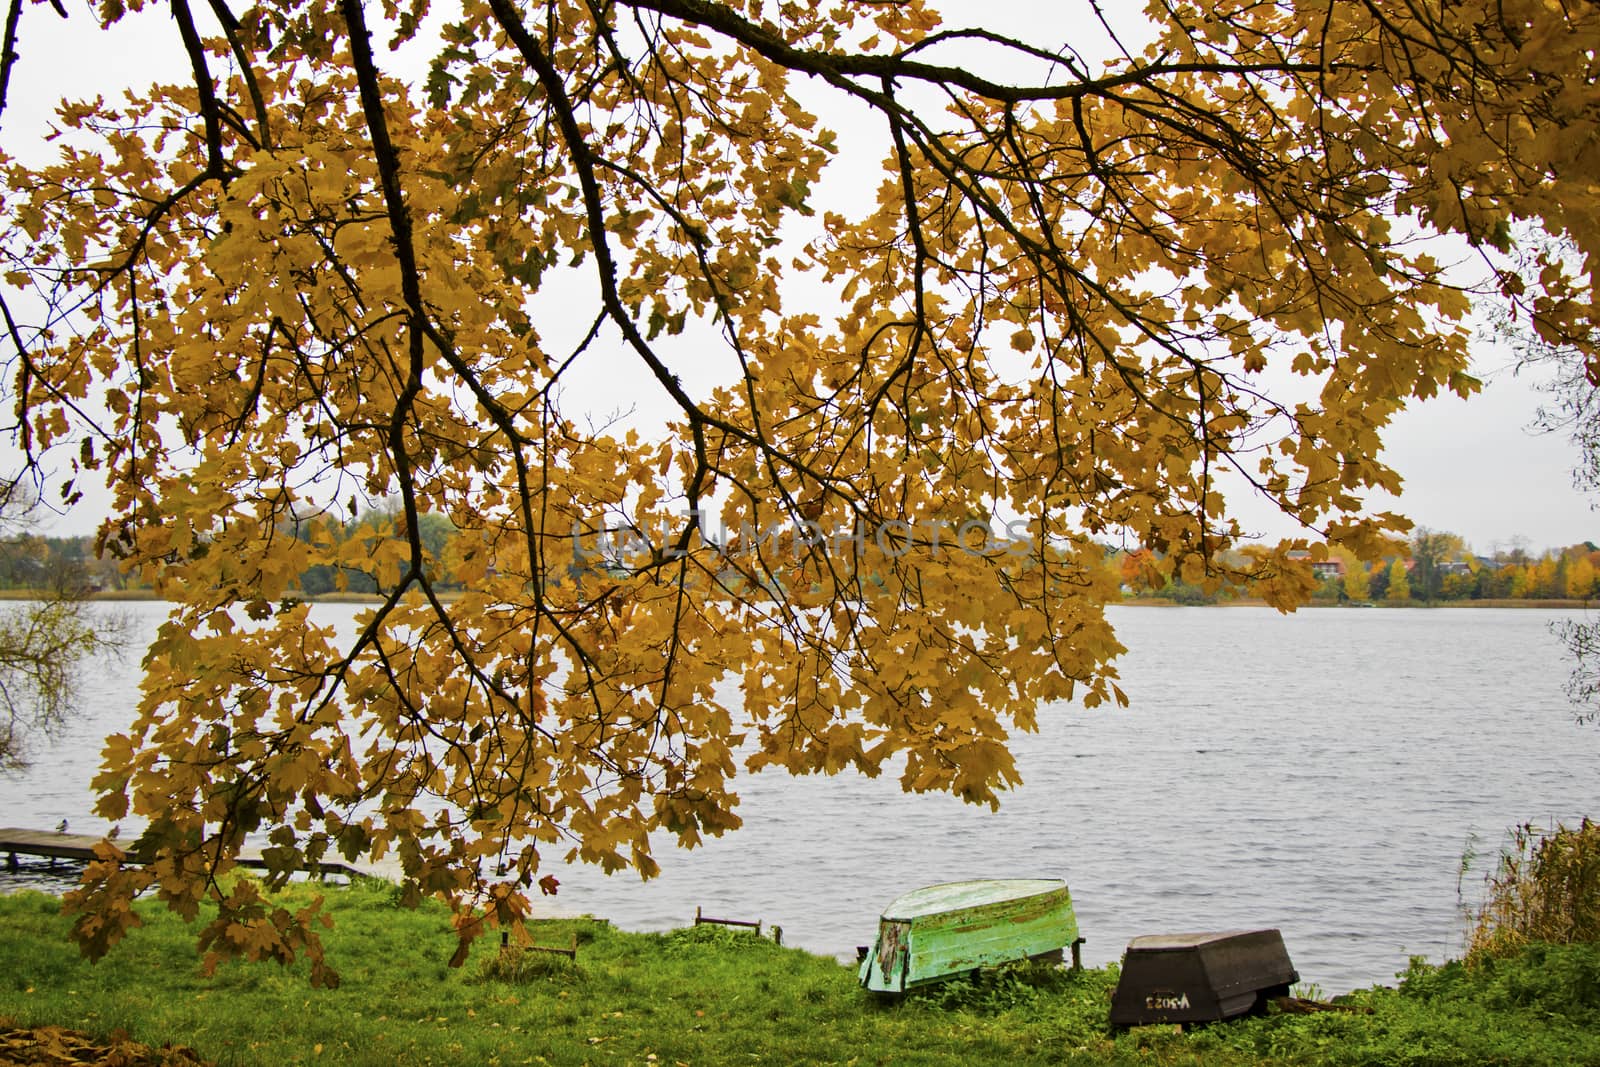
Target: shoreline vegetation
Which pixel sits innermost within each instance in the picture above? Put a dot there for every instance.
(1433, 569)
(1251, 602)
(1550, 603)
(708, 996)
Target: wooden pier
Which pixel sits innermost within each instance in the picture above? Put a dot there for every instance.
(55, 845)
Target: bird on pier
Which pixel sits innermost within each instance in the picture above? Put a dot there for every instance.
(61, 827)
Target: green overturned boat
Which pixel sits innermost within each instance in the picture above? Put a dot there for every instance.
(941, 931)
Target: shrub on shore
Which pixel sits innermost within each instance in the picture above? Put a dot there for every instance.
(1544, 889)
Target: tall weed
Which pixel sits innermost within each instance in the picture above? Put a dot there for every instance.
(1546, 888)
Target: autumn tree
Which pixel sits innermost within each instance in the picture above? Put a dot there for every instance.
(1560, 357)
(1357, 582)
(1563, 354)
(1399, 588)
(1460, 584)
(1521, 583)
(1430, 549)
(1580, 578)
(1543, 581)
(1093, 291)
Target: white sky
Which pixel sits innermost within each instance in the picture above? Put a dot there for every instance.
(1473, 468)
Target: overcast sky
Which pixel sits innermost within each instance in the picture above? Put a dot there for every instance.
(1473, 468)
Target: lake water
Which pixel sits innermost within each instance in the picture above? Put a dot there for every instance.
(1322, 773)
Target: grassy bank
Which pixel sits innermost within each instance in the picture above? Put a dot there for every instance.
(715, 996)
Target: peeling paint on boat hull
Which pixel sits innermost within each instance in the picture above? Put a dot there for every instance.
(941, 931)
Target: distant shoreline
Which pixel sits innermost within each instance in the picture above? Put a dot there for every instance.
(1249, 602)
(1566, 604)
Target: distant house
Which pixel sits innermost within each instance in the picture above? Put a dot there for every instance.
(1322, 568)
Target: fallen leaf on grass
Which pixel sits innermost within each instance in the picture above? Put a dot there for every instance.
(55, 1046)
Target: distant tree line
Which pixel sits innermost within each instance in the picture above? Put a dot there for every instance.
(1441, 568)
(65, 564)
(437, 533)
(1436, 567)
(73, 565)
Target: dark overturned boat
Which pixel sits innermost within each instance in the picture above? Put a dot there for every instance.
(1198, 978)
(941, 931)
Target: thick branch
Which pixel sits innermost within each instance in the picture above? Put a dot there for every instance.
(897, 67)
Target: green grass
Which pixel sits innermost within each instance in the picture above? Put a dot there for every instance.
(712, 996)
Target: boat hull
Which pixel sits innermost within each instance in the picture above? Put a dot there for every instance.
(942, 931)
(1204, 977)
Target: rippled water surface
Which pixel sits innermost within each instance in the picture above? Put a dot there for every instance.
(1321, 772)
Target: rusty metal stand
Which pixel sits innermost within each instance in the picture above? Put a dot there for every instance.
(700, 918)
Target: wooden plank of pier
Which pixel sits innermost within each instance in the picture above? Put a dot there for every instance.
(53, 845)
(57, 846)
